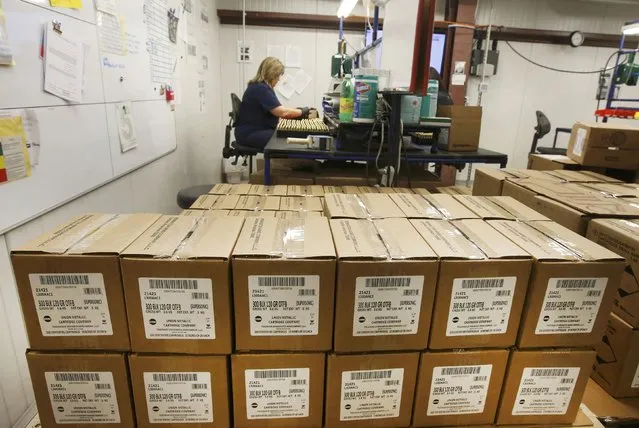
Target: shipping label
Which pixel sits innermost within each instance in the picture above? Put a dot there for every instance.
(284, 305)
(371, 394)
(71, 304)
(571, 305)
(545, 390)
(459, 390)
(387, 305)
(480, 306)
(83, 397)
(177, 308)
(178, 397)
(277, 393)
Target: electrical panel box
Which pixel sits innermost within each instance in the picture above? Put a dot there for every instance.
(477, 62)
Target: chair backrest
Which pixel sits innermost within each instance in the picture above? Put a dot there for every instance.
(236, 103)
(542, 128)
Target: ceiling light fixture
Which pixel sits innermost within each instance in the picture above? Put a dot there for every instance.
(346, 8)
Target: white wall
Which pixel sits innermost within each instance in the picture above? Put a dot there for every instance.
(520, 88)
(153, 188)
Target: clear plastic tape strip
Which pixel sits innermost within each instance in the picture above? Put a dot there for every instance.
(393, 249)
(359, 206)
(88, 235)
(292, 234)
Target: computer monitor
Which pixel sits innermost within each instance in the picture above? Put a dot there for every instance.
(437, 50)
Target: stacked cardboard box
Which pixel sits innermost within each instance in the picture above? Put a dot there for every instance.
(73, 302)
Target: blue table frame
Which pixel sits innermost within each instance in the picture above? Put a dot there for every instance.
(277, 148)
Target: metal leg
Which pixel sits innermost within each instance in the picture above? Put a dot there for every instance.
(469, 174)
(267, 169)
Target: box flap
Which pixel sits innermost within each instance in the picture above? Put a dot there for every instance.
(484, 208)
(290, 215)
(204, 202)
(492, 243)
(292, 239)
(225, 202)
(421, 191)
(562, 159)
(601, 177)
(415, 206)
(614, 189)
(401, 241)
(333, 189)
(261, 190)
(216, 213)
(246, 214)
(230, 189)
(210, 238)
(360, 239)
(584, 248)
(301, 203)
(163, 237)
(450, 207)
(195, 213)
(341, 205)
(91, 234)
(534, 242)
(447, 241)
(571, 176)
(311, 190)
(380, 205)
(518, 210)
(258, 203)
(628, 229)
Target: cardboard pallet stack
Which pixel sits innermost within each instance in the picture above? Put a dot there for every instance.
(390, 310)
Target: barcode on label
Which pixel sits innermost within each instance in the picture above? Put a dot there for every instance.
(306, 292)
(102, 386)
(593, 293)
(175, 377)
(173, 284)
(298, 381)
(391, 382)
(273, 374)
(411, 293)
(453, 371)
(576, 283)
(388, 282)
(199, 386)
(378, 374)
(281, 281)
(502, 293)
(549, 372)
(483, 283)
(200, 296)
(91, 291)
(64, 279)
(480, 378)
(567, 380)
(76, 377)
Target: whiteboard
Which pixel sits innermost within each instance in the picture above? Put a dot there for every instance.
(80, 142)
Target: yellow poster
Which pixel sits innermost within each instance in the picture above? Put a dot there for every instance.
(71, 4)
(14, 155)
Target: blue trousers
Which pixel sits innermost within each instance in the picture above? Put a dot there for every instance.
(255, 139)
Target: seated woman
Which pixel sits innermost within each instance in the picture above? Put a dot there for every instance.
(261, 110)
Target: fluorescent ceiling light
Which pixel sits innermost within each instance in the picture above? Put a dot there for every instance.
(346, 8)
(630, 29)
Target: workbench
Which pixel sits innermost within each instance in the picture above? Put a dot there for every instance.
(277, 148)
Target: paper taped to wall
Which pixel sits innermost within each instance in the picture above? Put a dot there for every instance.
(126, 126)
(14, 156)
(63, 66)
(31, 131)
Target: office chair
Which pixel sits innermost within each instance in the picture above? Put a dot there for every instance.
(543, 127)
(233, 148)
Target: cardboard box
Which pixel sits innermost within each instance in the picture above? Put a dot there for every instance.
(257, 177)
(465, 127)
(397, 190)
(541, 162)
(333, 189)
(484, 208)
(278, 390)
(180, 390)
(216, 202)
(459, 388)
(177, 285)
(566, 216)
(230, 189)
(616, 367)
(385, 286)
(261, 190)
(314, 190)
(247, 214)
(301, 203)
(603, 404)
(582, 177)
(489, 181)
(70, 286)
(293, 215)
(360, 190)
(622, 237)
(416, 206)
(81, 390)
(258, 203)
(343, 180)
(197, 213)
(604, 145)
(516, 209)
(450, 207)
(544, 387)
(284, 285)
(572, 286)
(421, 191)
(455, 190)
(370, 390)
(483, 278)
(367, 206)
(615, 190)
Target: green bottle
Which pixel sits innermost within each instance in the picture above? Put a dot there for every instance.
(347, 95)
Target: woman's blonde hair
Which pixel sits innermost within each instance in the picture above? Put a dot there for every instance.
(269, 70)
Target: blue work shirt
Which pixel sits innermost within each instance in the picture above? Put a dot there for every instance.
(255, 113)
